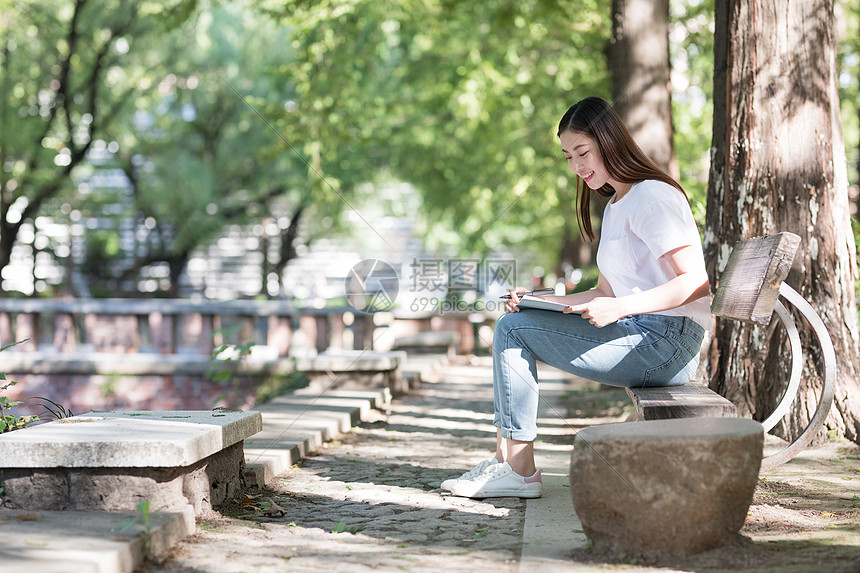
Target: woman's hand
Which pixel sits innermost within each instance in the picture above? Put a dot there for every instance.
(600, 306)
(511, 304)
(599, 311)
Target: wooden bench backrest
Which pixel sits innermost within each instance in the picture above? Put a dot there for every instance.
(749, 286)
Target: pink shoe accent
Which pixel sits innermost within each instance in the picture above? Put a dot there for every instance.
(534, 478)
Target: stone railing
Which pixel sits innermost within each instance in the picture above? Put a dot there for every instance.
(155, 353)
(180, 326)
(176, 326)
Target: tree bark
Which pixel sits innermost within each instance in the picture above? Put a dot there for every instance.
(778, 164)
(287, 251)
(638, 58)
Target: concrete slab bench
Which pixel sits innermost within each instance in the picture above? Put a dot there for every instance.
(749, 290)
(434, 342)
(687, 401)
(110, 461)
(354, 370)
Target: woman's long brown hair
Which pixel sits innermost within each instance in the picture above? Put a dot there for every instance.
(622, 157)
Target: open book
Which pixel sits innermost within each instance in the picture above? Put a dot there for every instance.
(529, 301)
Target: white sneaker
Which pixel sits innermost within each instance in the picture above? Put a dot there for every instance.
(499, 481)
(472, 473)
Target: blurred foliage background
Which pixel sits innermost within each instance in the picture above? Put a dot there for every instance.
(137, 132)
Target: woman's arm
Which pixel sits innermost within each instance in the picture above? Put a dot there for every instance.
(691, 283)
(602, 289)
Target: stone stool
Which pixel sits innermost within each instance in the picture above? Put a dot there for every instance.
(665, 487)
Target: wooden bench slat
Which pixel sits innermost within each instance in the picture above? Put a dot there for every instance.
(749, 285)
(687, 401)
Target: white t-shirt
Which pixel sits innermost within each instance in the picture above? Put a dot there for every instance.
(650, 220)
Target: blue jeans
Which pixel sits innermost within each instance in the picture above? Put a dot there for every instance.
(637, 351)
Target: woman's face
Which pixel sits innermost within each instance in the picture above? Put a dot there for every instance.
(584, 159)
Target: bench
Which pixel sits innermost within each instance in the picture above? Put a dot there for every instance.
(184, 461)
(354, 370)
(432, 342)
(749, 290)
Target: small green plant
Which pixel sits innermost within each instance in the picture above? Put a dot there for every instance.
(8, 420)
(108, 388)
(144, 519)
(224, 359)
(279, 384)
(341, 527)
(57, 411)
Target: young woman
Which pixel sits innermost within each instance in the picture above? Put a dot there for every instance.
(642, 325)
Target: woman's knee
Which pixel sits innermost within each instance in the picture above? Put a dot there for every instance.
(504, 326)
(500, 326)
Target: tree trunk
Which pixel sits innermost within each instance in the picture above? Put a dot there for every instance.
(177, 265)
(287, 251)
(638, 58)
(778, 164)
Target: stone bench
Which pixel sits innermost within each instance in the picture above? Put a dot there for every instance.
(354, 370)
(749, 291)
(110, 461)
(665, 487)
(434, 342)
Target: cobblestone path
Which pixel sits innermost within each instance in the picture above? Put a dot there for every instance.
(369, 501)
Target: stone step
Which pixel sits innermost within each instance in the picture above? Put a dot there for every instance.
(87, 541)
(298, 423)
(435, 342)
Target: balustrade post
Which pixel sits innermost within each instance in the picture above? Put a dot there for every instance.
(197, 333)
(362, 329)
(279, 334)
(161, 332)
(337, 329)
(65, 339)
(5, 329)
(25, 329)
(308, 328)
(322, 338)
